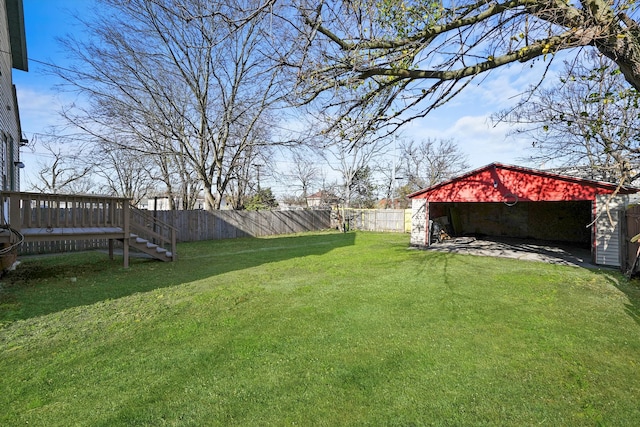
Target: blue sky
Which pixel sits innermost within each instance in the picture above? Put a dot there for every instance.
(45, 20)
(465, 119)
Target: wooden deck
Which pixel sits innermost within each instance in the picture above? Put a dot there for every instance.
(39, 217)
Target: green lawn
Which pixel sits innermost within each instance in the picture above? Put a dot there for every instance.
(322, 329)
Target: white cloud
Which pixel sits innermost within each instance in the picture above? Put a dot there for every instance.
(38, 110)
(483, 142)
(503, 87)
(467, 118)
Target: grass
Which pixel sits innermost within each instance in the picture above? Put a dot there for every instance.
(318, 329)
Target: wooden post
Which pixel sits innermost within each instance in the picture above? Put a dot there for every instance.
(111, 249)
(26, 211)
(127, 231)
(155, 217)
(14, 211)
(174, 255)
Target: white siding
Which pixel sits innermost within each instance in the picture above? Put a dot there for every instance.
(419, 229)
(9, 134)
(608, 232)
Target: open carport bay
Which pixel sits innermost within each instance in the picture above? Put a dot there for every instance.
(565, 221)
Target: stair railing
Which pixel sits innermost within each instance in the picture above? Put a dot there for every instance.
(146, 226)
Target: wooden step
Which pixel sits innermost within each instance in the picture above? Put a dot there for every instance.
(152, 249)
(149, 248)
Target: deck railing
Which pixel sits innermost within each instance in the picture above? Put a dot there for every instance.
(55, 212)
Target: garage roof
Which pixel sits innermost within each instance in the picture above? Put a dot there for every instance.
(498, 182)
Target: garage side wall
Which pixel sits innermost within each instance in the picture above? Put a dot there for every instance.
(608, 233)
(419, 229)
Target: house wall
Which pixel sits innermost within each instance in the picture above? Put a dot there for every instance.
(9, 126)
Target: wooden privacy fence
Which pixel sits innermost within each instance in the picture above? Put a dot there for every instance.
(202, 225)
(393, 220)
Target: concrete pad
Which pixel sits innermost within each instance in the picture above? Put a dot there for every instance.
(522, 249)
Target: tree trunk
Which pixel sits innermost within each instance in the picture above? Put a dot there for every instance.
(210, 202)
(626, 53)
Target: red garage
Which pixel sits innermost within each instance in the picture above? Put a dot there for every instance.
(512, 201)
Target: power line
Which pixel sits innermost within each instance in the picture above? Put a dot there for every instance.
(48, 64)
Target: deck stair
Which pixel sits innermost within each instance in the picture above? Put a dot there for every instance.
(145, 246)
(151, 236)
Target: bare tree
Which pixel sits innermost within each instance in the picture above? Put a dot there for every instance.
(353, 161)
(303, 175)
(170, 167)
(63, 169)
(123, 172)
(192, 81)
(363, 191)
(587, 123)
(389, 169)
(189, 185)
(429, 161)
(389, 62)
(247, 170)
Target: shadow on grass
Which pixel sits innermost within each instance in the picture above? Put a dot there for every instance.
(49, 284)
(631, 288)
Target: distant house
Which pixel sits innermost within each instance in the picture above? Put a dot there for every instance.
(395, 203)
(13, 55)
(322, 199)
(162, 203)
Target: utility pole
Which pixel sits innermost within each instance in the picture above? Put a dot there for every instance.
(396, 190)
